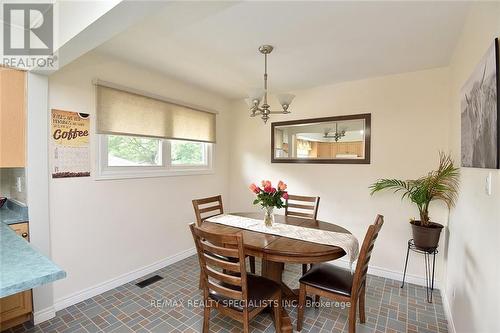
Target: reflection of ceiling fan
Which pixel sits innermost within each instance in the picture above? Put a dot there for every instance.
(336, 135)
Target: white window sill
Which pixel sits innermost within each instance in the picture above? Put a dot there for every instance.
(129, 174)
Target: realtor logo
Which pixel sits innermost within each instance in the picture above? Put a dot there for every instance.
(28, 29)
(28, 35)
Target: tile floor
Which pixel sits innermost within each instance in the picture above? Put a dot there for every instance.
(130, 309)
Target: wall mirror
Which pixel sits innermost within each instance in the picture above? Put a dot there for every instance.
(341, 139)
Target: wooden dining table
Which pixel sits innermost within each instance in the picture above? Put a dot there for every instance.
(275, 251)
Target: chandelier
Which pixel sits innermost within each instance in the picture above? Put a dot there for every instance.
(256, 96)
(336, 135)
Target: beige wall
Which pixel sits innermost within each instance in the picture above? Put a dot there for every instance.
(472, 279)
(101, 230)
(409, 127)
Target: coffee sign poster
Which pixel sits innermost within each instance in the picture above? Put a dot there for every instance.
(70, 146)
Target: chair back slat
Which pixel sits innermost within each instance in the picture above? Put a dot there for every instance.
(211, 209)
(302, 206)
(365, 255)
(207, 207)
(301, 214)
(301, 198)
(230, 279)
(231, 293)
(222, 263)
(306, 207)
(222, 251)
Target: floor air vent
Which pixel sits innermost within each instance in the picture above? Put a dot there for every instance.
(148, 281)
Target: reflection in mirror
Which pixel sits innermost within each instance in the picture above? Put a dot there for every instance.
(326, 140)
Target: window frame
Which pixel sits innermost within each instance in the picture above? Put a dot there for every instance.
(166, 169)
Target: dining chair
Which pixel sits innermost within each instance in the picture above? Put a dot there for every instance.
(304, 207)
(209, 207)
(339, 284)
(227, 286)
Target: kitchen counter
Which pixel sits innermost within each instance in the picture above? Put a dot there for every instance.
(22, 267)
(12, 213)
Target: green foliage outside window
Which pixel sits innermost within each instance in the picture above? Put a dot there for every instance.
(141, 151)
(137, 151)
(187, 152)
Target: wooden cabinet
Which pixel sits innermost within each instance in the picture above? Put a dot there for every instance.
(16, 309)
(12, 118)
(21, 229)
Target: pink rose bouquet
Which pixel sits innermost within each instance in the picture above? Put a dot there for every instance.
(269, 196)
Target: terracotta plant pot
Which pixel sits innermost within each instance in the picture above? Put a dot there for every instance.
(426, 237)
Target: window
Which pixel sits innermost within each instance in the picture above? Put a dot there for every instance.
(143, 135)
(133, 157)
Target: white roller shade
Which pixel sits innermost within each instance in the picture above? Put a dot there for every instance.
(121, 112)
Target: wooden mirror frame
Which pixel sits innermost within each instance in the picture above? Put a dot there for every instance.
(366, 160)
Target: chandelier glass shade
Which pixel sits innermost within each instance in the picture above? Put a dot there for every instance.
(257, 98)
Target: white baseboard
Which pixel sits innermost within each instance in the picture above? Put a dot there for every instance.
(398, 276)
(44, 315)
(80, 296)
(447, 312)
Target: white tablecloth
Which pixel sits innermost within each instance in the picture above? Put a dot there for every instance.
(347, 242)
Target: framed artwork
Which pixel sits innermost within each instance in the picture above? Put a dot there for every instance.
(479, 103)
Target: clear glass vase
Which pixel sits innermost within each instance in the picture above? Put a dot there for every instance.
(268, 216)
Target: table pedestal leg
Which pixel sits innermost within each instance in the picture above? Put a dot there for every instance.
(274, 271)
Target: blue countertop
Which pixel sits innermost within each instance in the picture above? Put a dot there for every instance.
(12, 213)
(21, 266)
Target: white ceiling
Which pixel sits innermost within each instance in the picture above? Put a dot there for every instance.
(214, 44)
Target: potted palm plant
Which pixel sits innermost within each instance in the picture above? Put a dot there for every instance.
(441, 184)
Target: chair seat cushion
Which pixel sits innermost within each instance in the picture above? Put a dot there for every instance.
(260, 289)
(329, 278)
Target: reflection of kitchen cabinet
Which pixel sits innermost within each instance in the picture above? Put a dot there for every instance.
(356, 148)
(332, 149)
(324, 150)
(350, 148)
(341, 148)
(12, 118)
(16, 309)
